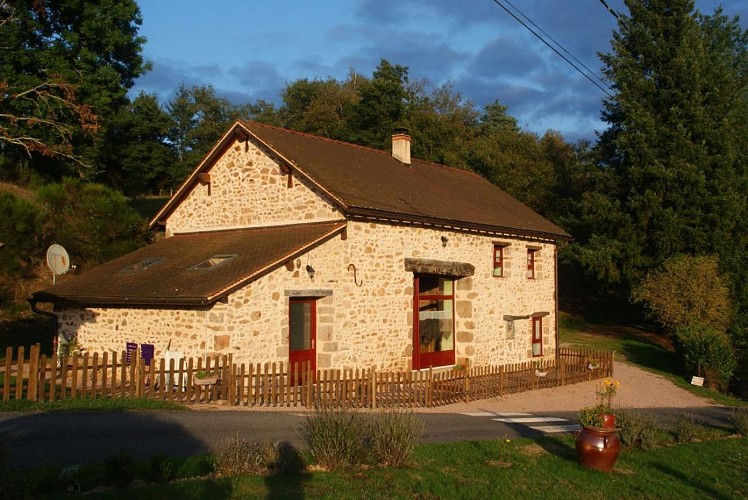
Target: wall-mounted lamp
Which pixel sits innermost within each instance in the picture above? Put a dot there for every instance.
(310, 270)
(445, 240)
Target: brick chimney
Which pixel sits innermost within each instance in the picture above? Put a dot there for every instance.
(401, 145)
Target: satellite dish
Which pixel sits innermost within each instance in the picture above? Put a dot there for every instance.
(58, 260)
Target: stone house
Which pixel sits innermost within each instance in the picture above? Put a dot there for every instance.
(283, 246)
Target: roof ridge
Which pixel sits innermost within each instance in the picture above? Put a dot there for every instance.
(250, 123)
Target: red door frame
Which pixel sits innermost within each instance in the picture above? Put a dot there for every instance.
(426, 360)
(308, 355)
(537, 335)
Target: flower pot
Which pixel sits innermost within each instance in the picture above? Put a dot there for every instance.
(609, 421)
(205, 380)
(597, 448)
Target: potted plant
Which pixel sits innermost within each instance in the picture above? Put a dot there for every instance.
(596, 442)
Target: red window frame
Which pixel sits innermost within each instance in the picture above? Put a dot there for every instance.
(498, 261)
(537, 337)
(531, 263)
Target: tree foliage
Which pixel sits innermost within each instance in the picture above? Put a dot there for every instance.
(687, 291)
(671, 173)
(66, 67)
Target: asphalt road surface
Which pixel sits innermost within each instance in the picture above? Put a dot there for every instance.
(64, 439)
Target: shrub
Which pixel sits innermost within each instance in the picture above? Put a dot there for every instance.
(288, 460)
(161, 469)
(687, 291)
(337, 438)
(685, 428)
(706, 351)
(639, 430)
(739, 419)
(121, 469)
(243, 457)
(394, 435)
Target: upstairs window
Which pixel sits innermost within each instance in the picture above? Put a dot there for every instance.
(531, 263)
(498, 260)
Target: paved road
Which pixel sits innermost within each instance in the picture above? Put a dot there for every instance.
(40, 439)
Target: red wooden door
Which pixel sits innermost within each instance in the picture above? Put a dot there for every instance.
(302, 333)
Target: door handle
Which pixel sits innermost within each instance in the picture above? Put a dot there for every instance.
(313, 343)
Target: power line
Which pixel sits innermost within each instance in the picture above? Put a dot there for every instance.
(557, 43)
(612, 12)
(528, 28)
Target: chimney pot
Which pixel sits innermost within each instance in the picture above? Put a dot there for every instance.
(401, 145)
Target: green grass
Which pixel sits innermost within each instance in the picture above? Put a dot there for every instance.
(79, 404)
(523, 468)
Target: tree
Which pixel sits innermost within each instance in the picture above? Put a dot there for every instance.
(675, 147)
(135, 148)
(93, 222)
(66, 67)
(381, 107)
(198, 119)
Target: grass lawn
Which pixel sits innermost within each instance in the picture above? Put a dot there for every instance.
(520, 468)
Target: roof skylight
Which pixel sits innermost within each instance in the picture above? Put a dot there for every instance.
(143, 265)
(213, 262)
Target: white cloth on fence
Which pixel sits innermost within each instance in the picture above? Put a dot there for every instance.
(176, 356)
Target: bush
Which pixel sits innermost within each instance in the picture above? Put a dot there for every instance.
(337, 438)
(121, 469)
(639, 430)
(393, 437)
(687, 291)
(739, 419)
(685, 428)
(288, 460)
(707, 351)
(244, 457)
(161, 469)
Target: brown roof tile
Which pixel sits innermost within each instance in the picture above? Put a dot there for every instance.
(369, 182)
(173, 280)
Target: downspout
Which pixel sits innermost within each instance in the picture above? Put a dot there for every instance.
(55, 338)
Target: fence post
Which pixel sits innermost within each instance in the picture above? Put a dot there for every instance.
(6, 378)
(612, 360)
(31, 391)
(19, 373)
(373, 387)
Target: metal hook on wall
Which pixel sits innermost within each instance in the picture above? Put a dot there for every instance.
(355, 280)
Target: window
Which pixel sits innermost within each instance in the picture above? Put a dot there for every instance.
(498, 260)
(537, 337)
(213, 262)
(531, 262)
(433, 329)
(143, 264)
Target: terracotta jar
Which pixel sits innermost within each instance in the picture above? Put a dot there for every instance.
(597, 447)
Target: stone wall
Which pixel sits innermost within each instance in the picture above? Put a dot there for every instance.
(362, 323)
(248, 188)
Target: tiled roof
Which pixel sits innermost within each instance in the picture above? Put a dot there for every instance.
(371, 183)
(171, 279)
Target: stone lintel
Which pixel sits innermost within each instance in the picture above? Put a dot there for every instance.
(308, 293)
(439, 267)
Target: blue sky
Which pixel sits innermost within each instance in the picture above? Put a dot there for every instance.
(250, 50)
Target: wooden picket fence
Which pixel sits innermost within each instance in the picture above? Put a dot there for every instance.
(37, 377)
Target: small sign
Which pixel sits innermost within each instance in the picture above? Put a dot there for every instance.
(697, 381)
